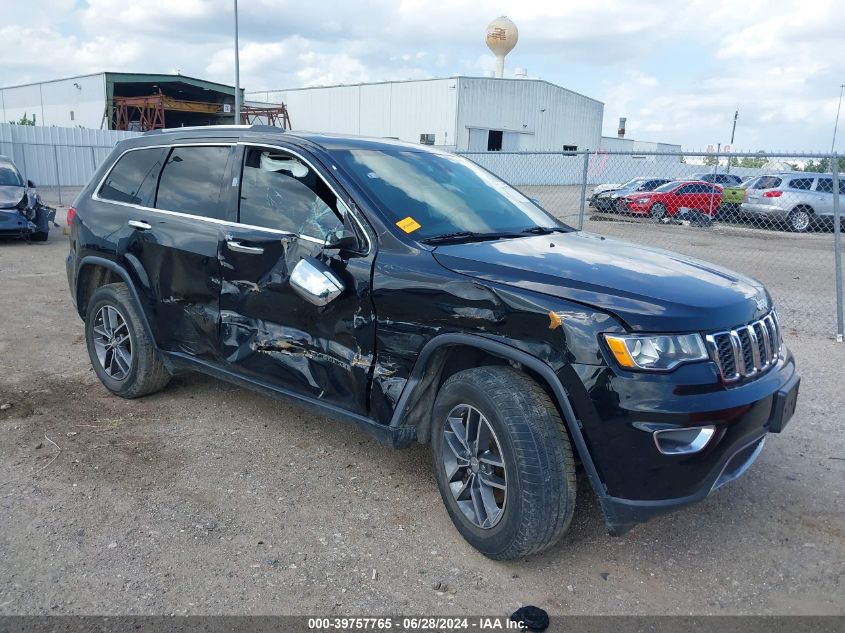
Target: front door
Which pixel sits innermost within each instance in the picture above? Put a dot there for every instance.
(287, 211)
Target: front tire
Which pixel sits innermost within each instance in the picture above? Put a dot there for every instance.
(503, 462)
(123, 356)
(657, 212)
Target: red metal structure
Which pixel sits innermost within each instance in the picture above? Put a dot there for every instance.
(271, 115)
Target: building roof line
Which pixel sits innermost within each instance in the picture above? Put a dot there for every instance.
(408, 81)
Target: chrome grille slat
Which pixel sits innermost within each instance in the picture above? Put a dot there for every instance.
(746, 350)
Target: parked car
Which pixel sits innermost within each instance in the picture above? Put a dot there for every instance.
(606, 200)
(800, 200)
(673, 198)
(413, 294)
(603, 188)
(22, 214)
(732, 197)
(724, 180)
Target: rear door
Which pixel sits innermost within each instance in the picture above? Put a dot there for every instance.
(169, 233)
(287, 212)
(823, 196)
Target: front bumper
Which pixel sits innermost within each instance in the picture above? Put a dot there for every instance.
(639, 481)
(14, 225)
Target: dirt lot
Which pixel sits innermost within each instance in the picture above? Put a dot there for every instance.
(208, 499)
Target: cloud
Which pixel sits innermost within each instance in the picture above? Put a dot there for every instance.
(676, 70)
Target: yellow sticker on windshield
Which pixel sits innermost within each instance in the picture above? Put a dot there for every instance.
(409, 224)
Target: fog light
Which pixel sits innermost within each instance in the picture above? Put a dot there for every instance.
(683, 441)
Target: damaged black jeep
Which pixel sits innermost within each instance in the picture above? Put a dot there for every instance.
(22, 214)
(414, 294)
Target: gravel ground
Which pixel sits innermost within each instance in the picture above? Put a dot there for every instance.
(207, 499)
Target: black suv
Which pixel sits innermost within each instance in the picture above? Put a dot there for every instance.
(414, 294)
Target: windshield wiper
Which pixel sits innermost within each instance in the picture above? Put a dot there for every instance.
(544, 230)
(469, 236)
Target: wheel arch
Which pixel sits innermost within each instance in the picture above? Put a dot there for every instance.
(94, 272)
(437, 361)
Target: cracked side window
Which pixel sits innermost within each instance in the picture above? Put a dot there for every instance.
(278, 191)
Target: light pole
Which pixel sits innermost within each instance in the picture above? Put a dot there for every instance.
(237, 72)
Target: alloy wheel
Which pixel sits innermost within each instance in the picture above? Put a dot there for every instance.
(658, 211)
(475, 468)
(112, 342)
(799, 220)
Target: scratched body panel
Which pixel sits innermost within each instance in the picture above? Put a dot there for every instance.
(418, 299)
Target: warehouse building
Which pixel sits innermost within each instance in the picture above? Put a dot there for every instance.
(464, 114)
(120, 101)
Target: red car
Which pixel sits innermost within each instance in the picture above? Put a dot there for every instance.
(669, 199)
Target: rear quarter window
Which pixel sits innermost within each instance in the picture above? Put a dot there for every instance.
(133, 178)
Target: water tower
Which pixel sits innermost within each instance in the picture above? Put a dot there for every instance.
(502, 36)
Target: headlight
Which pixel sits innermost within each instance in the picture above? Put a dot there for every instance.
(643, 200)
(656, 352)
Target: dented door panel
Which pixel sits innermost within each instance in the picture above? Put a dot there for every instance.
(268, 331)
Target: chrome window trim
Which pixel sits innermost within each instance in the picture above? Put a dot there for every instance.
(202, 218)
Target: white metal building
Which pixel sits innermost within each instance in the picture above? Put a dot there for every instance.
(87, 100)
(616, 144)
(464, 114)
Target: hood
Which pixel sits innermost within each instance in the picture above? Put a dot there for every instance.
(603, 188)
(649, 289)
(10, 196)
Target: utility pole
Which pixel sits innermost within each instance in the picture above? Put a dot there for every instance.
(237, 72)
(733, 132)
(836, 124)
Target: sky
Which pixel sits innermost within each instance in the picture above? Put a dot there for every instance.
(676, 69)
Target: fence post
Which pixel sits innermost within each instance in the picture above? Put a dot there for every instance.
(837, 245)
(583, 189)
(58, 174)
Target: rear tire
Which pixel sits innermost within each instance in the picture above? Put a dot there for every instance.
(799, 220)
(525, 447)
(122, 354)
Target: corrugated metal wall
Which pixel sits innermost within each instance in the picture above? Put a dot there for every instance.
(51, 156)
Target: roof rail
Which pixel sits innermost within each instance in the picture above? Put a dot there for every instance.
(255, 127)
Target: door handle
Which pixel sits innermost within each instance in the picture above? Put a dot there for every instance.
(140, 225)
(241, 248)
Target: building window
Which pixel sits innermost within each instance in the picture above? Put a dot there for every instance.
(71, 115)
(570, 148)
(494, 141)
(426, 139)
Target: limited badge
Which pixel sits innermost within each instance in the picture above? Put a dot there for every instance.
(409, 224)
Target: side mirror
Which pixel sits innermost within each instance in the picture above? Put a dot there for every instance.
(315, 282)
(342, 240)
(30, 184)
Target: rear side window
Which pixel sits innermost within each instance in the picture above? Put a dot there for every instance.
(192, 179)
(133, 178)
(801, 183)
(767, 182)
(825, 185)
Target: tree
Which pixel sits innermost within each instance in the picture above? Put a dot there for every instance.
(24, 120)
(710, 160)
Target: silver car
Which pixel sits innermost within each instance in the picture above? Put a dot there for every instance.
(799, 199)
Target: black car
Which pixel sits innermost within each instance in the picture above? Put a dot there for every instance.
(22, 214)
(726, 180)
(412, 293)
(607, 199)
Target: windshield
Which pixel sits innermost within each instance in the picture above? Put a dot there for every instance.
(669, 186)
(428, 194)
(9, 176)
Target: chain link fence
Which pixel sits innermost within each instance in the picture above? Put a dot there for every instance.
(771, 216)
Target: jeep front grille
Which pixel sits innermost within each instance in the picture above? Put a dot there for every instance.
(747, 350)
